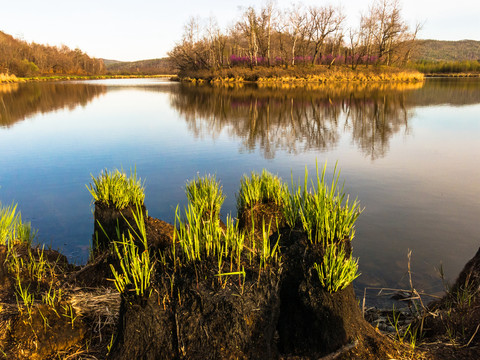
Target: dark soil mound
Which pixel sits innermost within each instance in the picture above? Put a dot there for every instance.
(46, 332)
(97, 272)
(107, 219)
(202, 318)
(314, 322)
(35, 330)
(159, 233)
(457, 315)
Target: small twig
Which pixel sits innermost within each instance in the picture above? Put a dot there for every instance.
(399, 290)
(475, 333)
(363, 303)
(340, 351)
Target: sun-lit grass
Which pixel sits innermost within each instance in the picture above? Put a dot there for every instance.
(7, 78)
(135, 269)
(205, 194)
(260, 188)
(8, 223)
(115, 188)
(337, 270)
(200, 235)
(326, 212)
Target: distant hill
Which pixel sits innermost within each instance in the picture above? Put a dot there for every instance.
(145, 67)
(440, 50)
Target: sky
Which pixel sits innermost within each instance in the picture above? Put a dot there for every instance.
(146, 29)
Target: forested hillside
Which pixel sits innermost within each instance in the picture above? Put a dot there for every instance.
(141, 67)
(30, 59)
(439, 50)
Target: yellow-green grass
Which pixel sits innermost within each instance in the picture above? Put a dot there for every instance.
(205, 194)
(8, 78)
(326, 212)
(260, 188)
(117, 189)
(135, 268)
(337, 270)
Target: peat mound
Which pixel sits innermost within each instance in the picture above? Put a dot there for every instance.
(454, 321)
(195, 314)
(108, 219)
(314, 322)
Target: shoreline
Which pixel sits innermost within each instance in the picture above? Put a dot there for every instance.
(302, 74)
(10, 79)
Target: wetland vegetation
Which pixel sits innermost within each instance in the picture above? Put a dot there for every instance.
(276, 284)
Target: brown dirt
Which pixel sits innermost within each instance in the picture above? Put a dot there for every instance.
(107, 218)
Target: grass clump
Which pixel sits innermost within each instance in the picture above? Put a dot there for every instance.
(260, 188)
(205, 194)
(13, 230)
(326, 212)
(115, 188)
(201, 236)
(8, 223)
(135, 269)
(337, 270)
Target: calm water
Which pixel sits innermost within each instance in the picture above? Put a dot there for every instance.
(410, 154)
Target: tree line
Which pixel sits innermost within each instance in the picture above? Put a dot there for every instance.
(30, 59)
(298, 35)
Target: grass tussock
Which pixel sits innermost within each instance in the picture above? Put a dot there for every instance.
(202, 237)
(337, 270)
(326, 213)
(205, 195)
(115, 188)
(260, 188)
(135, 268)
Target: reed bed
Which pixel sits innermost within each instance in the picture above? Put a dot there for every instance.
(302, 75)
(8, 78)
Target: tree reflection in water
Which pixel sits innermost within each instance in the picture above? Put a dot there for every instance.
(298, 119)
(19, 101)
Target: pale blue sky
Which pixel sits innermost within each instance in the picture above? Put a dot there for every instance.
(145, 29)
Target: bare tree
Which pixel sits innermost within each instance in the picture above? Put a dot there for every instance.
(249, 26)
(296, 27)
(323, 21)
(390, 28)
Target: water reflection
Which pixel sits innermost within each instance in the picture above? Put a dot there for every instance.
(19, 101)
(298, 119)
(448, 91)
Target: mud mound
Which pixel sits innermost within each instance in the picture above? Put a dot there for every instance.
(159, 233)
(204, 319)
(107, 219)
(457, 315)
(46, 332)
(314, 322)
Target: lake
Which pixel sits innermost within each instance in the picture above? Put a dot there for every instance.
(410, 153)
